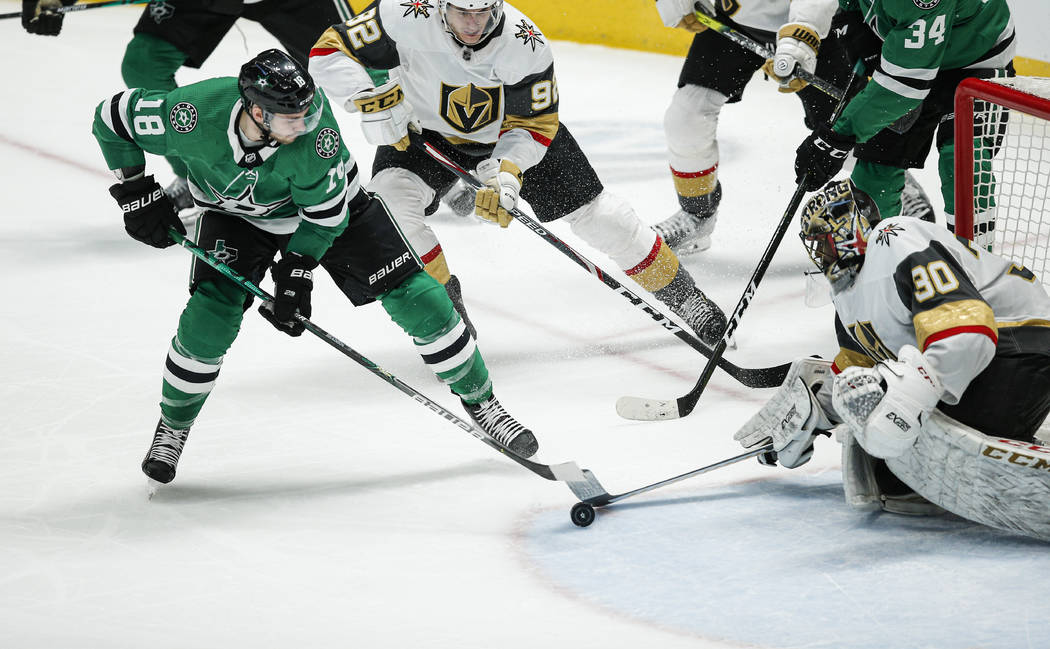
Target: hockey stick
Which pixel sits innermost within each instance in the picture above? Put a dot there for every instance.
(580, 482)
(902, 124)
(759, 377)
(644, 409)
(582, 513)
(81, 7)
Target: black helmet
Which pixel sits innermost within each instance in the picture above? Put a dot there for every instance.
(276, 83)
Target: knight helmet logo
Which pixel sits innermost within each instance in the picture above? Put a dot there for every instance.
(470, 108)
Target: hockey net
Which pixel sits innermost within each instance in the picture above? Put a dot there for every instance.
(1002, 168)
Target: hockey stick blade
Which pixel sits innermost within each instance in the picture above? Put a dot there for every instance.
(759, 377)
(642, 409)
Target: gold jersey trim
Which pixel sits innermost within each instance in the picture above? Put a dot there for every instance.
(545, 125)
(973, 314)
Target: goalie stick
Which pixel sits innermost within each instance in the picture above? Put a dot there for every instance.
(579, 481)
(643, 409)
(80, 7)
(582, 513)
(759, 377)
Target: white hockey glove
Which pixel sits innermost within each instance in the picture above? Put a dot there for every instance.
(502, 180)
(797, 46)
(793, 417)
(679, 13)
(385, 115)
(886, 405)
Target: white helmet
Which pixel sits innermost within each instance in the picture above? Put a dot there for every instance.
(470, 21)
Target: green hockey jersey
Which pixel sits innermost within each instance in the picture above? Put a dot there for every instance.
(301, 188)
(921, 38)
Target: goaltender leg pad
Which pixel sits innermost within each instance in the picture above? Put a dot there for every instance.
(372, 256)
(999, 482)
(869, 485)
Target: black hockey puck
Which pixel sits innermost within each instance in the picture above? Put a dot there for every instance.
(582, 514)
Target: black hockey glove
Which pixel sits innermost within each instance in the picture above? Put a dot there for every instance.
(857, 39)
(821, 156)
(148, 212)
(46, 23)
(293, 279)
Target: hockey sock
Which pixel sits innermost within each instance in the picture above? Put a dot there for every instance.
(884, 184)
(422, 308)
(208, 326)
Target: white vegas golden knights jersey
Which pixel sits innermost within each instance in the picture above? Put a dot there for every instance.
(961, 306)
(506, 86)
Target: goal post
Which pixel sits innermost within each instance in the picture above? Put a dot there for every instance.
(1002, 167)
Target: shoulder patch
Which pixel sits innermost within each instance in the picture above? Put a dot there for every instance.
(183, 117)
(327, 143)
(926, 4)
(887, 232)
(530, 35)
(417, 8)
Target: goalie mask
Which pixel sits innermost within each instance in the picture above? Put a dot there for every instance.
(470, 22)
(836, 223)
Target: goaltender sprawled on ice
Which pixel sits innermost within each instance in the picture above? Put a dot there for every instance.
(942, 379)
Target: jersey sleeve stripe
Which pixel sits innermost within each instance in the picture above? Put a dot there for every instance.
(895, 85)
(970, 329)
(115, 116)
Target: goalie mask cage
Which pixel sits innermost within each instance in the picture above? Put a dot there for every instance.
(1002, 167)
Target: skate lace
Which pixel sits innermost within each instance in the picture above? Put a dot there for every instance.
(680, 225)
(912, 203)
(698, 309)
(168, 443)
(497, 422)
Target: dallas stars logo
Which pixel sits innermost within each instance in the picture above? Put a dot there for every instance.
(417, 8)
(529, 34)
(243, 202)
(327, 143)
(890, 230)
(183, 117)
(223, 253)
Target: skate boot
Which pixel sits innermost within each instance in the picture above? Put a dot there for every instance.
(455, 293)
(687, 232)
(179, 193)
(460, 199)
(163, 455)
(495, 422)
(703, 316)
(914, 201)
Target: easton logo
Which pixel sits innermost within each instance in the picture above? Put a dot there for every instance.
(183, 117)
(389, 268)
(327, 143)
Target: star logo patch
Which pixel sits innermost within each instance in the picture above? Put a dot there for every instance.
(417, 8)
(529, 34)
(183, 117)
(327, 143)
(887, 231)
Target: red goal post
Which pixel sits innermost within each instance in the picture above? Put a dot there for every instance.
(1002, 167)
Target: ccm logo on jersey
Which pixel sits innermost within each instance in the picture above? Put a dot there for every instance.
(139, 203)
(389, 268)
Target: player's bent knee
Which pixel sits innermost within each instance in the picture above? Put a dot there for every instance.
(691, 123)
(611, 225)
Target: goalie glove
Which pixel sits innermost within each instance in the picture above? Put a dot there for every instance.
(797, 46)
(385, 115)
(886, 405)
(502, 180)
(793, 417)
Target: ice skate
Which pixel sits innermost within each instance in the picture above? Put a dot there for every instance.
(914, 201)
(687, 233)
(703, 316)
(163, 456)
(179, 193)
(459, 199)
(495, 422)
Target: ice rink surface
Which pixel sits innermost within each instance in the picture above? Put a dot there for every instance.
(317, 506)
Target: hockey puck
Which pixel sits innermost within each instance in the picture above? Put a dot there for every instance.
(582, 514)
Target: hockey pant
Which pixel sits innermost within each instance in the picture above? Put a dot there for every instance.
(607, 223)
